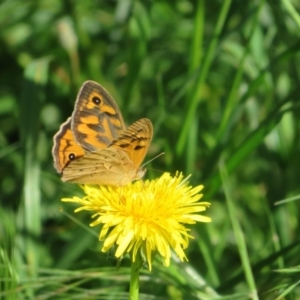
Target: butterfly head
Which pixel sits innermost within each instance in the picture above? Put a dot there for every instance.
(140, 173)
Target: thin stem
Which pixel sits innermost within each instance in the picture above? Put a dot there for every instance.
(134, 280)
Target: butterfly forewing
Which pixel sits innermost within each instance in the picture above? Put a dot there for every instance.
(135, 140)
(97, 119)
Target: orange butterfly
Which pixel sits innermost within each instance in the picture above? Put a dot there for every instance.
(94, 147)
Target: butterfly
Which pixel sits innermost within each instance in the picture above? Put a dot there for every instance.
(94, 146)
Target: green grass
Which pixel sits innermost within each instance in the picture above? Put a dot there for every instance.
(220, 82)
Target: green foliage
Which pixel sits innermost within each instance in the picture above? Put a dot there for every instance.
(220, 82)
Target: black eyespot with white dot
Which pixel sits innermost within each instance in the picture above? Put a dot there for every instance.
(71, 156)
(96, 100)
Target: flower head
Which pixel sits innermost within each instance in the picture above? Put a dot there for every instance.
(145, 216)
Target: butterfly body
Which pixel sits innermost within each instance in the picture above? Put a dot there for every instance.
(94, 146)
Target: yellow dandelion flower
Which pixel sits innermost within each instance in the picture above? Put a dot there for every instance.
(145, 216)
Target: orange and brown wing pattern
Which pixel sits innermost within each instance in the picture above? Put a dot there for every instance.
(97, 119)
(135, 141)
(119, 164)
(93, 146)
(65, 148)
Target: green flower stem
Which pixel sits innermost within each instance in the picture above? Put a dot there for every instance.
(134, 280)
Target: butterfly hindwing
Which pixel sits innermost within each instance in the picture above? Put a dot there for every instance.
(107, 166)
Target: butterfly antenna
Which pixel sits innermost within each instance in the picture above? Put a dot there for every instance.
(160, 154)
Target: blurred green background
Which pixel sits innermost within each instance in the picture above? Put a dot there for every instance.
(220, 82)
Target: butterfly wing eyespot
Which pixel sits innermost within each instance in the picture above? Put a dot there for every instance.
(71, 156)
(93, 146)
(96, 100)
